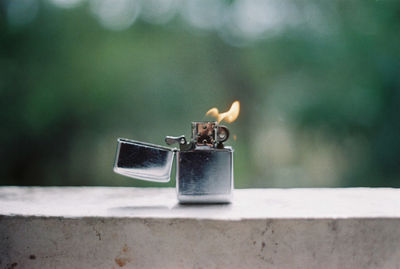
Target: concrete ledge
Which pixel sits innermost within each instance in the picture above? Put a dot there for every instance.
(99, 227)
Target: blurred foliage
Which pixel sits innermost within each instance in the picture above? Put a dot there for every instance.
(318, 81)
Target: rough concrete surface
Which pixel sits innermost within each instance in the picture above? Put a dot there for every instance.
(145, 228)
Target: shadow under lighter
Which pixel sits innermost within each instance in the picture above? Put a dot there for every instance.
(204, 166)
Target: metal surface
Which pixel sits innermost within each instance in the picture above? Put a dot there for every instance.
(205, 175)
(181, 140)
(209, 133)
(204, 133)
(170, 140)
(143, 161)
(204, 168)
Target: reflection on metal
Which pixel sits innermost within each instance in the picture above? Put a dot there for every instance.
(143, 161)
(205, 175)
(204, 166)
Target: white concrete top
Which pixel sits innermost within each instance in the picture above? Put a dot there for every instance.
(119, 202)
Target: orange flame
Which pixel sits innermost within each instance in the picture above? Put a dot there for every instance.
(228, 116)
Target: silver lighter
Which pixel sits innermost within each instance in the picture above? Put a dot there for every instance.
(204, 166)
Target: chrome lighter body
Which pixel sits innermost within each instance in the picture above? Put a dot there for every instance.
(205, 175)
(204, 166)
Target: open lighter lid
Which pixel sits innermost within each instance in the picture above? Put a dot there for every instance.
(143, 160)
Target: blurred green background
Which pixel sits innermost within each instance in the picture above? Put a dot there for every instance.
(318, 82)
